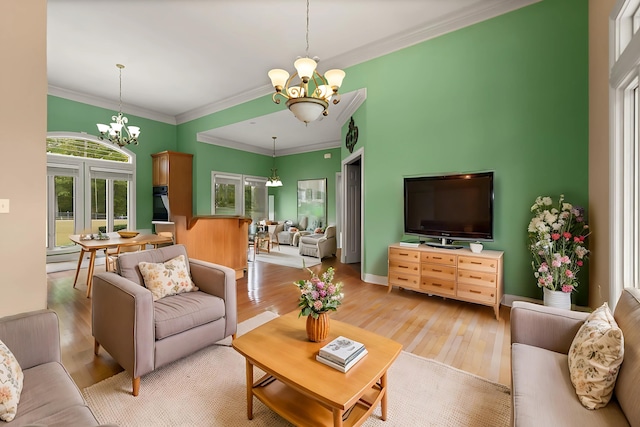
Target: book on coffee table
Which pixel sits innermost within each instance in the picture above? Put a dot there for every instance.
(341, 350)
(341, 367)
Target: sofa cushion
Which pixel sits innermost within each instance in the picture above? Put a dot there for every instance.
(167, 278)
(182, 312)
(544, 396)
(627, 391)
(594, 358)
(47, 395)
(11, 380)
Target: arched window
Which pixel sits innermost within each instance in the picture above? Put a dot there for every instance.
(90, 188)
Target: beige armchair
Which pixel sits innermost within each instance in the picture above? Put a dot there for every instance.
(143, 335)
(319, 245)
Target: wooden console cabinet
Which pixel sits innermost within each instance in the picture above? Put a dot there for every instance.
(451, 273)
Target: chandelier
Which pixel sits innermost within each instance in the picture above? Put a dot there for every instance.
(307, 103)
(274, 179)
(114, 132)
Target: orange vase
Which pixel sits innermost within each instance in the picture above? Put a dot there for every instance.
(318, 329)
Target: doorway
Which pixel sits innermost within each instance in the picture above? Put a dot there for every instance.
(352, 173)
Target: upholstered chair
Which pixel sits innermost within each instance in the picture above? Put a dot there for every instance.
(143, 334)
(319, 245)
(274, 231)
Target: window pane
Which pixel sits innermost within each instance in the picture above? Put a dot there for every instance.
(225, 199)
(98, 205)
(120, 205)
(255, 199)
(84, 148)
(64, 210)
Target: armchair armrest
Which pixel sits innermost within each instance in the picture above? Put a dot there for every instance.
(32, 337)
(545, 327)
(122, 321)
(220, 281)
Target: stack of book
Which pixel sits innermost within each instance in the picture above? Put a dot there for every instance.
(341, 353)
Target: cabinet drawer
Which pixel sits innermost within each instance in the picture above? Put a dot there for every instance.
(478, 264)
(476, 293)
(404, 280)
(437, 271)
(404, 254)
(438, 258)
(404, 267)
(477, 278)
(436, 286)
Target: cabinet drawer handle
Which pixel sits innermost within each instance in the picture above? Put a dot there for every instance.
(437, 284)
(476, 263)
(403, 254)
(402, 278)
(403, 266)
(436, 271)
(437, 257)
(474, 291)
(475, 277)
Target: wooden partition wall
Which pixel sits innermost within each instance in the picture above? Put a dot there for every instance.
(219, 239)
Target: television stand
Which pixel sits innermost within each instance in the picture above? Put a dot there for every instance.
(444, 244)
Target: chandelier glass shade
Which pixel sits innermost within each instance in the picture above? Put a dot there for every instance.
(118, 132)
(274, 179)
(307, 92)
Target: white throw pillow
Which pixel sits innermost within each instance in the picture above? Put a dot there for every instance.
(595, 357)
(11, 378)
(167, 278)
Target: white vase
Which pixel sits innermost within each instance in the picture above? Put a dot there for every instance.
(557, 299)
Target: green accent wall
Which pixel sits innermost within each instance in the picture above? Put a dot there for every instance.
(509, 94)
(64, 115)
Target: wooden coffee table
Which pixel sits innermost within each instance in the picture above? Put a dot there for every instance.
(306, 392)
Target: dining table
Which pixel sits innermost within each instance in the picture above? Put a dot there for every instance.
(92, 243)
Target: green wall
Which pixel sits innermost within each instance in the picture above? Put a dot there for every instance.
(64, 115)
(509, 94)
(296, 167)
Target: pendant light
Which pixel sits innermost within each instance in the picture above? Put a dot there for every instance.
(274, 179)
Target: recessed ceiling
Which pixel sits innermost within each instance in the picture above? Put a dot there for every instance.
(188, 58)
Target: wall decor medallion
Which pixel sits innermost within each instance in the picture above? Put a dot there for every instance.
(352, 135)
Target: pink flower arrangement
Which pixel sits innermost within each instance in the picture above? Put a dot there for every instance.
(319, 294)
(557, 235)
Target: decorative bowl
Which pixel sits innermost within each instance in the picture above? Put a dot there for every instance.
(475, 247)
(126, 234)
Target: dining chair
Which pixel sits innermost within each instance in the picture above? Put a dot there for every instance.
(112, 254)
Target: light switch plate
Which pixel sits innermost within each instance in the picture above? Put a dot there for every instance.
(4, 205)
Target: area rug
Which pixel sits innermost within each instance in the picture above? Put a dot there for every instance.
(286, 255)
(208, 389)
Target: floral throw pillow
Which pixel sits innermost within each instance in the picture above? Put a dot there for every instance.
(11, 378)
(167, 278)
(595, 357)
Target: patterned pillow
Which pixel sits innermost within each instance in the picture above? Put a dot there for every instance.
(167, 278)
(595, 357)
(11, 378)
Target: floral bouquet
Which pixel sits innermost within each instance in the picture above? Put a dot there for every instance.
(557, 236)
(319, 294)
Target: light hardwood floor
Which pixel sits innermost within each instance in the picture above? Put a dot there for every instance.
(463, 335)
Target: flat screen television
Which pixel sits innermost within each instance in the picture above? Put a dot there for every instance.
(449, 207)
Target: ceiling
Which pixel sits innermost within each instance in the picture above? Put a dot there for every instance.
(188, 58)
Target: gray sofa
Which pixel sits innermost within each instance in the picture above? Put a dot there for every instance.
(49, 395)
(143, 335)
(542, 391)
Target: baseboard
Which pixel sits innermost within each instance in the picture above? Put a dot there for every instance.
(375, 279)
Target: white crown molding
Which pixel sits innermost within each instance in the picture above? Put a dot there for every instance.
(417, 35)
(105, 103)
(221, 142)
(352, 107)
(232, 101)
